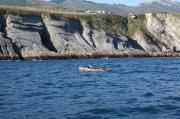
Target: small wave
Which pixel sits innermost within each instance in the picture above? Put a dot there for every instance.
(101, 110)
(54, 72)
(172, 98)
(35, 94)
(177, 98)
(49, 84)
(133, 72)
(27, 75)
(139, 72)
(148, 94)
(132, 100)
(149, 109)
(85, 116)
(50, 97)
(169, 107)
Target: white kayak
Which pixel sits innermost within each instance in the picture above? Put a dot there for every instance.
(88, 69)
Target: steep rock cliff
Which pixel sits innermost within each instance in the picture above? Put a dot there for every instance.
(66, 36)
(29, 35)
(146, 42)
(75, 36)
(7, 48)
(165, 28)
(44, 36)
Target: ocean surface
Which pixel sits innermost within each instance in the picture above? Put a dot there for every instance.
(136, 88)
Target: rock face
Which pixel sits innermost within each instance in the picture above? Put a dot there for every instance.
(165, 28)
(28, 37)
(146, 42)
(7, 48)
(66, 36)
(74, 36)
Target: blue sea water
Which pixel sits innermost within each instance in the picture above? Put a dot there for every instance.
(136, 88)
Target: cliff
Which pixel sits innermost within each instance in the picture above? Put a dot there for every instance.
(29, 34)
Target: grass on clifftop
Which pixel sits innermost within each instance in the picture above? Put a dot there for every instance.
(13, 10)
(136, 24)
(110, 23)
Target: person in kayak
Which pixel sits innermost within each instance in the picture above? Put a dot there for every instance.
(90, 67)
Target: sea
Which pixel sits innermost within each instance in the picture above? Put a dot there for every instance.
(136, 88)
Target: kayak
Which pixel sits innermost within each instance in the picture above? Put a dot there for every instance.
(87, 69)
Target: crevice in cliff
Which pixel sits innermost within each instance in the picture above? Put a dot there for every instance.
(2, 24)
(130, 43)
(46, 39)
(80, 30)
(1, 27)
(153, 39)
(1, 50)
(115, 41)
(90, 23)
(133, 44)
(91, 38)
(3, 46)
(17, 50)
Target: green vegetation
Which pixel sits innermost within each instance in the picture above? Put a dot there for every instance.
(177, 15)
(112, 24)
(136, 24)
(21, 10)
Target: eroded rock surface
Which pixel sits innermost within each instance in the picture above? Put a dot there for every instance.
(66, 36)
(165, 28)
(28, 37)
(7, 48)
(75, 36)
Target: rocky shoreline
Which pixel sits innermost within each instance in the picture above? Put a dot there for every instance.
(27, 37)
(96, 55)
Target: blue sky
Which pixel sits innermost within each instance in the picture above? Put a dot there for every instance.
(128, 2)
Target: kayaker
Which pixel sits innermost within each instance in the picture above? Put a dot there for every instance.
(90, 67)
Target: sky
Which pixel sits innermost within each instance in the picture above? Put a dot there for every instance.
(128, 2)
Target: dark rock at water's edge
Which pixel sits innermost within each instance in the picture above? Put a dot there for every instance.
(66, 36)
(97, 56)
